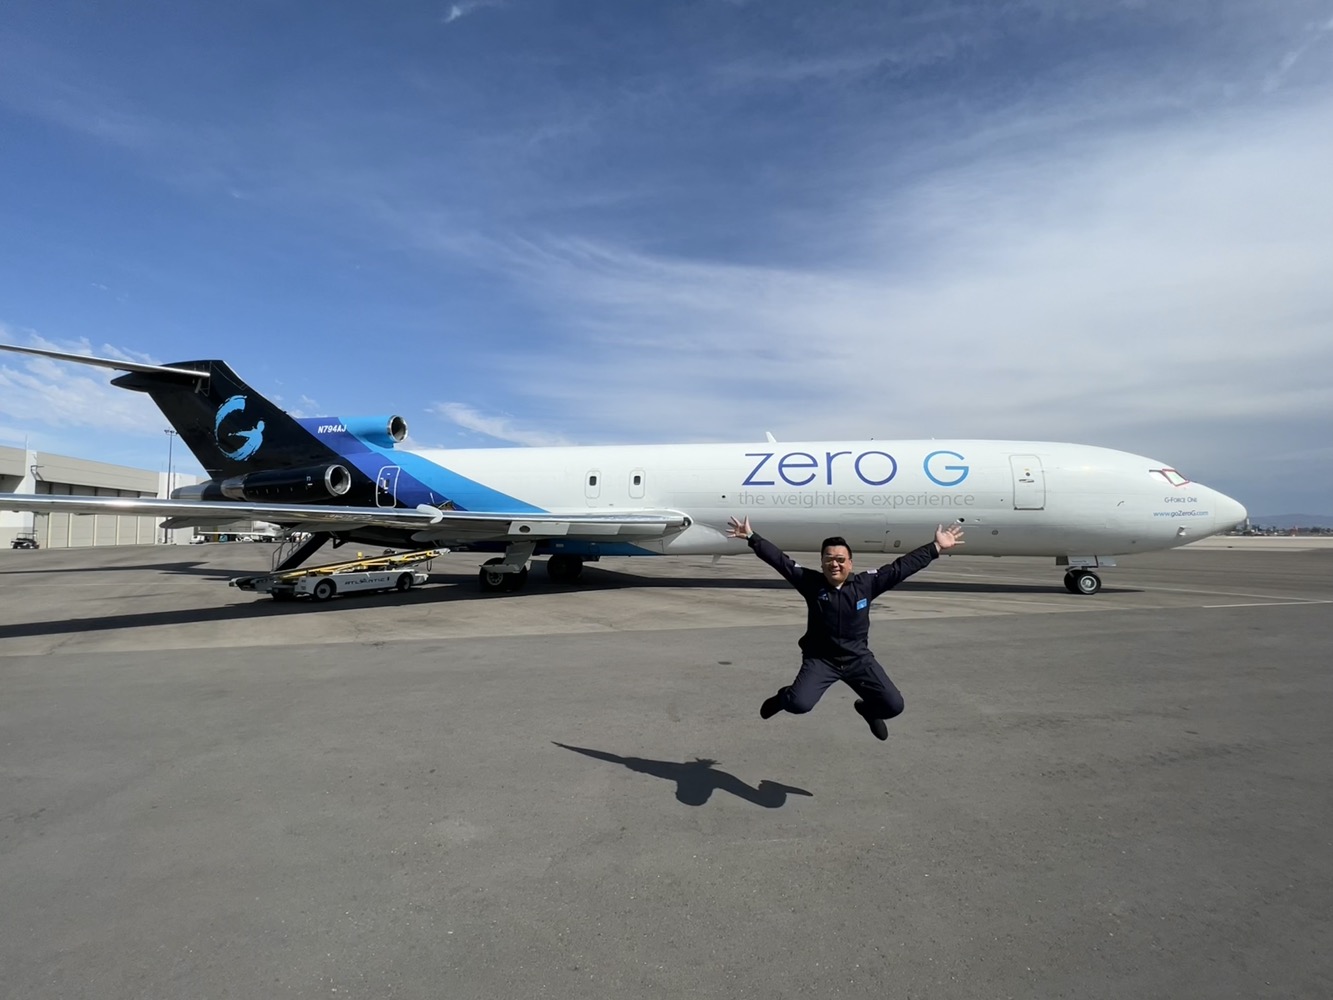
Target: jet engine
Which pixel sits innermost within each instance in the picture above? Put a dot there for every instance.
(310, 485)
(380, 432)
(383, 431)
(316, 484)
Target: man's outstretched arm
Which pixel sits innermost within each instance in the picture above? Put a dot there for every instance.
(766, 550)
(918, 559)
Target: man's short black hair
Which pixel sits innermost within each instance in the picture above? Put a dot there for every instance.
(833, 540)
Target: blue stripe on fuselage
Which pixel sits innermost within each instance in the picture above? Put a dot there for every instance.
(421, 480)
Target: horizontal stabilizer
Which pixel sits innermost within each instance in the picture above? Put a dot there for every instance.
(113, 363)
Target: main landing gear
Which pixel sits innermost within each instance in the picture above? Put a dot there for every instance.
(564, 569)
(1082, 581)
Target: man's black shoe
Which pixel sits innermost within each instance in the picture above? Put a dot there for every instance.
(771, 706)
(877, 726)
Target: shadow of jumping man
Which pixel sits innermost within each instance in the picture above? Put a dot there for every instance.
(697, 779)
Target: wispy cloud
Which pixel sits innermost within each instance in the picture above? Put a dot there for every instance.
(44, 82)
(62, 407)
(306, 407)
(499, 427)
(40, 393)
(457, 11)
(1317, 34)
(1144, 288)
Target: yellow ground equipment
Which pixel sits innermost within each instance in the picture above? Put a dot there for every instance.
(392, 571)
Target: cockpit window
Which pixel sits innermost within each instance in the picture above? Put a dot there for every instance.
(1171, 476)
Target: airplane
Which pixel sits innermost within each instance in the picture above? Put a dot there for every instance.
(343, 479)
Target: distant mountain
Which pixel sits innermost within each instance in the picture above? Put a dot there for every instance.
(1292, 521)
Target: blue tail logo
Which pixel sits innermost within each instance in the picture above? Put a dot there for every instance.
(251, 439)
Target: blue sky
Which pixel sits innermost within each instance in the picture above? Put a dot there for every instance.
(521, 222)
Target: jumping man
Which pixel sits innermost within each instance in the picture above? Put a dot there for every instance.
(834, 647)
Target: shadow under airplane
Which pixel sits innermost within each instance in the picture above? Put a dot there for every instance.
(697, 779)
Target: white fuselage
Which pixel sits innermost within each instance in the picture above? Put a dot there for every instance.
(1012, 497)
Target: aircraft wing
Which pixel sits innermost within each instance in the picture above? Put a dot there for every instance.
(426, 524)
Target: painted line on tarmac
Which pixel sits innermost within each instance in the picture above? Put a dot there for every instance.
(1274, 598)
(1266, 604)
(999, 601)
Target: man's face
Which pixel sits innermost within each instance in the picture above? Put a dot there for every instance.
(837, 564)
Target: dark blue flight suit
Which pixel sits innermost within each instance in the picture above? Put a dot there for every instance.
(835, 645)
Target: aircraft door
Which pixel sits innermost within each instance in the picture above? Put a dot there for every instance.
(865, 531)
(1029, 482)
(636, 479)
(592, 484)
(386, 486)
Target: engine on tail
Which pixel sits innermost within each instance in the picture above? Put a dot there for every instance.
(342, 432)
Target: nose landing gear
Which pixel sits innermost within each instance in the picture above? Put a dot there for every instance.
(507, 573)
(492, 579)
(1080, 573)
(1082, 581)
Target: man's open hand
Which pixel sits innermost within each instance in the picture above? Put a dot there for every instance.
(739, 528)
(947, 538)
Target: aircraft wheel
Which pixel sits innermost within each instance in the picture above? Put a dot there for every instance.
(324, 590)
(405, 582)
(515, 581)
(489, 580)
(1088, 583)
(564, 569)
(1070, 584)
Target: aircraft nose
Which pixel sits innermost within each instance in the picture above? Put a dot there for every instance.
(1229, 513)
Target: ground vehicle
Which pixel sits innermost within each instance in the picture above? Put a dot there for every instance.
(321, 583)
(323, 586)
(25, 540)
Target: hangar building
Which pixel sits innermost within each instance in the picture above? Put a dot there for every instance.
(27, 471)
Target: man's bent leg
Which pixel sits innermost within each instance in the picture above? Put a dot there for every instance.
(872, 685)
(878, 728)
(801, 695)
(878, 700)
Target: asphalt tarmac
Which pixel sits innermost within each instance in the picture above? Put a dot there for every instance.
(568, 792)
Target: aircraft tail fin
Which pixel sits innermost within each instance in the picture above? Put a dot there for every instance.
(228, 426)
